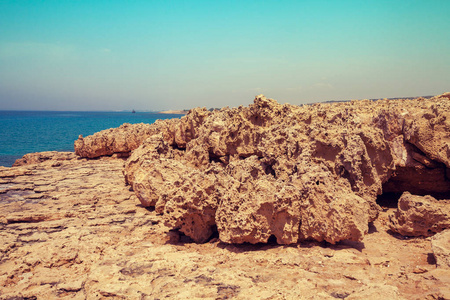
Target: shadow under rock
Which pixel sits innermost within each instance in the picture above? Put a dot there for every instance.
(372, 228)
(431, 259)
(149, 208)
(349, 245)
(176, 237)
(398, 236)
(248, 247)
(345, 244)
(388, 200)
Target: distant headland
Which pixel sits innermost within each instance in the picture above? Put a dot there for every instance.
(175, 112)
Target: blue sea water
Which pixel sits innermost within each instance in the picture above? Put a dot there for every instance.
(23, 132)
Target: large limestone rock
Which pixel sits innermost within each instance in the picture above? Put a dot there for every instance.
(417, 215)
(253, 205)
(291, 172)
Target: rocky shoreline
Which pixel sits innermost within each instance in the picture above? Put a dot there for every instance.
(282, 201)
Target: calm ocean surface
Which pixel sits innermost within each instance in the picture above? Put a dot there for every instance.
(23, 132)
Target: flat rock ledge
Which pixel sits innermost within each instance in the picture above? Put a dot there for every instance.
(291, 173)
(71, 229)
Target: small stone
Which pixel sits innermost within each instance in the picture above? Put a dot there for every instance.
(419, 270)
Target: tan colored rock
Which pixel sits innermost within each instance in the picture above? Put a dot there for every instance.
(429, 130)
(121, 140)
(326, 162)
(420, 215)
(445, 95)
(440, 244)
(189, 202)
(253, 205)
(88, 237)
(331, 212)
(39, 157)
(376, 291)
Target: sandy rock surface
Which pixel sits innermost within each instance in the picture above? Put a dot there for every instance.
(293, 173)
(72, 229)
(441, 248)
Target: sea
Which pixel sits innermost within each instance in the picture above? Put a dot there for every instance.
(23, 132)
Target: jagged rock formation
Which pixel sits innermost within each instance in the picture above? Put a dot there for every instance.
(295, 173)
(120, 141)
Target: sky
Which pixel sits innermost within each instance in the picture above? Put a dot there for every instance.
(158, 55)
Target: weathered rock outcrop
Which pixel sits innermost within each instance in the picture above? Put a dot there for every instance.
(120, 141)
(292, 172)
(420, 215)
(34, 158)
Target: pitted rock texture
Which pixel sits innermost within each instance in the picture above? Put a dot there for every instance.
(120, 141)
(292, 172)
(420, 215)
(71, 229)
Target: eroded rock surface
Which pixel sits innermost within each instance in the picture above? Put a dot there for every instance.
(440, 243)
(420, 215)
(71, 229)
(292, 172)
(120, 141)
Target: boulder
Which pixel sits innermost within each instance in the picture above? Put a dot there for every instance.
(420, 215)
(121, 140)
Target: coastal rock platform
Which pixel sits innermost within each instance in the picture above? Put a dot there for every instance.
(70, 228)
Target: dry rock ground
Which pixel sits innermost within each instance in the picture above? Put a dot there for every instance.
(72, 229)
(268, 201)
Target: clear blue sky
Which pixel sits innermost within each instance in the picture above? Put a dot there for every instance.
(154, 55)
